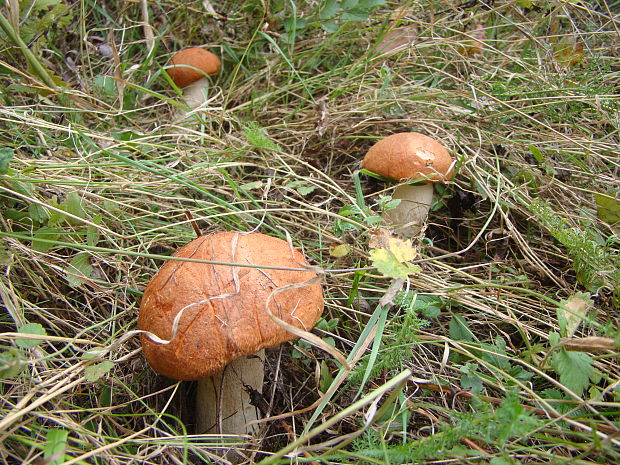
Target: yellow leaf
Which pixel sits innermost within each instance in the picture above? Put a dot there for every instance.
(339, 250)
(572, 312)
(403, 250)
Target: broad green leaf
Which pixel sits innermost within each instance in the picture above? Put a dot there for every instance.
(38, 214)
(55, 446)
(329, 10)
(369, 4)
(459, 329)
(512, 420)
(355, 14)
(11, 363)
(49, 234)
(346, 4)
(572, 311)
(30, 328)
(329, 26)
(608, 209)
(93, 372)
(73, 205)
(574, 368)
(78, 267)
(6, 155)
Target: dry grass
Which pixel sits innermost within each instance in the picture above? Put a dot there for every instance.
(532, 119)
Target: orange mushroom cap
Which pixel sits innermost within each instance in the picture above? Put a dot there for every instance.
(220, 321)
(409, 155)
(179, 66)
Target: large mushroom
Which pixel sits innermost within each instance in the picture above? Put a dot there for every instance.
(189, 69)
(417, 161)
(207, 321)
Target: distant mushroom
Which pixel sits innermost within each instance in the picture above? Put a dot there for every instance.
(188, 70)
(418, 161)
(205, 322)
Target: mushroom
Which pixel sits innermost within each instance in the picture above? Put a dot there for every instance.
(188, 70)
(205, 321)
(410, 157)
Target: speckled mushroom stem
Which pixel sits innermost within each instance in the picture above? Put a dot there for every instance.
(223, 403)
(409, 215)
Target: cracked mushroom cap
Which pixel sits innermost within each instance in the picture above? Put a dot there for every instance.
(409, 155)
(179, 66)
(219, 322)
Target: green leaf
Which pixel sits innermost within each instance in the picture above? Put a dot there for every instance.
(370, 4)
(393, 262)
(73, 205)
(511, 420)
(572, 311)
(11, 363)
(537, 154)
(329, 10)
(608, 209)
(326, 379)
(55, 446)
(38, 214)
(93, 372)
(356, 15)
(49, 234)
(459, 330)
(574, 368)
(92, 233)
(329, 26)
(258, 138)
(6, 155)
(470, 380)
(79, 267)
(30, 328)
(347, 4)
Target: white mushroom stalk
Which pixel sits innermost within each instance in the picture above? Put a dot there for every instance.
(409, 216)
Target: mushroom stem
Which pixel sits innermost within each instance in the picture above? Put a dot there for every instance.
(409, 215)
(223, 401)
(195, 94)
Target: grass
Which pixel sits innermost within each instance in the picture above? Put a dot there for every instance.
(463, 362)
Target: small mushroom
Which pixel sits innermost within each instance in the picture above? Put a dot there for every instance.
(188, 70)
(418, 161)
(206, 322)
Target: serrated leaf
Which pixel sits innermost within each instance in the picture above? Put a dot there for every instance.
(93, 372)
(30, 328)
(55, 446)
(393, 261)
(470, 380)
(38, 214)
(339, 250)
(6, 155)
(608, 209)
(572, 311)
(79, 267)
(574, 368)
(258, 138)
